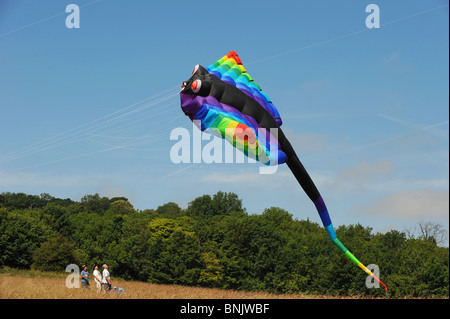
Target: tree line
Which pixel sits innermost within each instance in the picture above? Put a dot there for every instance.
(214, 242)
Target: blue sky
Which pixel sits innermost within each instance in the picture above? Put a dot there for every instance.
(90, 110)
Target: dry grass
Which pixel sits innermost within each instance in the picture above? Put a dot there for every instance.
(33, 284)
(13, 286)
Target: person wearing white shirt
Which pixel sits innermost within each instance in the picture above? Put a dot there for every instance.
(106, 278)
(97, 278)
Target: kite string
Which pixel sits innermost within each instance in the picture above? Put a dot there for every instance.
(346, 35)
(79, 132)
(63, 140)
(127, 144)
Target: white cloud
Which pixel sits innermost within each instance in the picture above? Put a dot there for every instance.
(392, 57)
(360, 176)
(442, 183)
(246, 177)
(22, 179)
(306, 142)
(363, 171)
(422, 203)
(312, 84)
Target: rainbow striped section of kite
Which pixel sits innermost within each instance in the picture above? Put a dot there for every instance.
(230, 70)
(232, 121)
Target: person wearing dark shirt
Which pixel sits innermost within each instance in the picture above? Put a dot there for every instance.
(84, 278)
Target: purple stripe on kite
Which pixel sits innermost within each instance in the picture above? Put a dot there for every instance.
(226, 80)
(190, 103)
(320, 204)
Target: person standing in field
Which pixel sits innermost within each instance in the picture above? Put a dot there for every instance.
(97, 279)
(84, 277)
(106, 278)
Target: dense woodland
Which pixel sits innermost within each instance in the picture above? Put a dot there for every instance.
(214, 243)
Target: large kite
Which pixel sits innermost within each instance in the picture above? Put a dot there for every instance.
(224, 100)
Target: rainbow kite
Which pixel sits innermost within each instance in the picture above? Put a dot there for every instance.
(224, 100)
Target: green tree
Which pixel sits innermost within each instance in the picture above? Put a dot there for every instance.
(122, 207)
(20, 201)
(223, 203)
(132, 252)
(169, 210)
(200, 207)
(211, 274)
(95, 203)
(55, 254)
(175, 255)
(21, 232)
(220, 204)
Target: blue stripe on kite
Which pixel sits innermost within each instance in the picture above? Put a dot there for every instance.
(209, 119)
(325, 217)
(229, 79)
(200, 115)
(330, 231)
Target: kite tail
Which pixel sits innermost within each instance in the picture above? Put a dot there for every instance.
(310, 189)
(325, 217)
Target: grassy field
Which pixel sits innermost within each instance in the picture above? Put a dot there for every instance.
(53, 288)
(41, 285)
